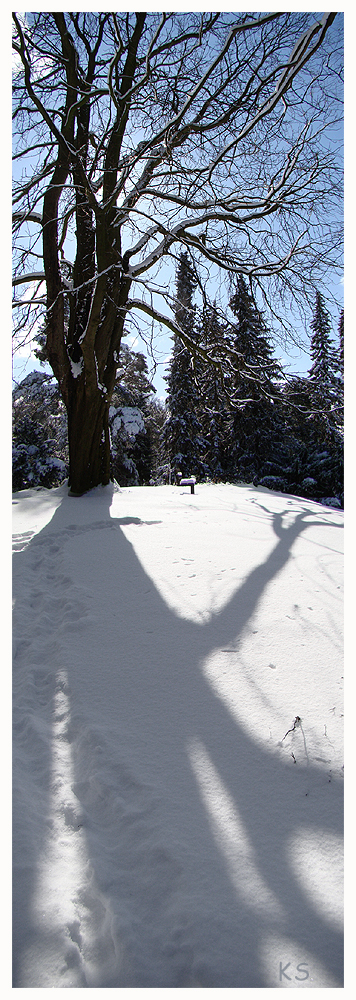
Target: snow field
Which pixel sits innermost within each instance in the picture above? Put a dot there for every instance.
(169, 832)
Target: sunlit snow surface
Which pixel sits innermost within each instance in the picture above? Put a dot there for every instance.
(173, 826)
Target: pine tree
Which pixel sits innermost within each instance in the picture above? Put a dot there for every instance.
(39, 444)
(132, 386)
(325, 442)
(314, 416)
(323, 373)
(213, 400)
(256, 430)
(155, 419)
(183, 432)
(341, 371)
(130, 420)
(341, 342)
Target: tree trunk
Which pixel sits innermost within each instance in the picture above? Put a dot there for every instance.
(88, 438)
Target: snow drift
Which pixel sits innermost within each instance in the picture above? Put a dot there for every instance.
(177, 739)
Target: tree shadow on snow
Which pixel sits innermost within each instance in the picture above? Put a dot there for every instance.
(185, 821)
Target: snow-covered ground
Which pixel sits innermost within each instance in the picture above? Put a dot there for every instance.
(175, 823)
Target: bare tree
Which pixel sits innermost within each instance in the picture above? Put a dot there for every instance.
(141, 134)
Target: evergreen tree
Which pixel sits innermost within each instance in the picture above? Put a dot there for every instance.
(341, 342)
(323, 374)
(314, 415)
(213, 400)
(183, 432)
(39, 446)
(132, 386)
(127, 438)
(155, 420)
(341, 369)
(325, 442)
(130, 420)
(256, 431)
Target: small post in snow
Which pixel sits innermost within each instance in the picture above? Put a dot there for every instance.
(190, 481)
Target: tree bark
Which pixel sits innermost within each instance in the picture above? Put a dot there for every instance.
(88, 436)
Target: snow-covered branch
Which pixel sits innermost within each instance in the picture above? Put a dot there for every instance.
(301, 54)
(24, 216)
(24, 279)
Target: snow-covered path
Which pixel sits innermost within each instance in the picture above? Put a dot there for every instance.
(168, 831)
